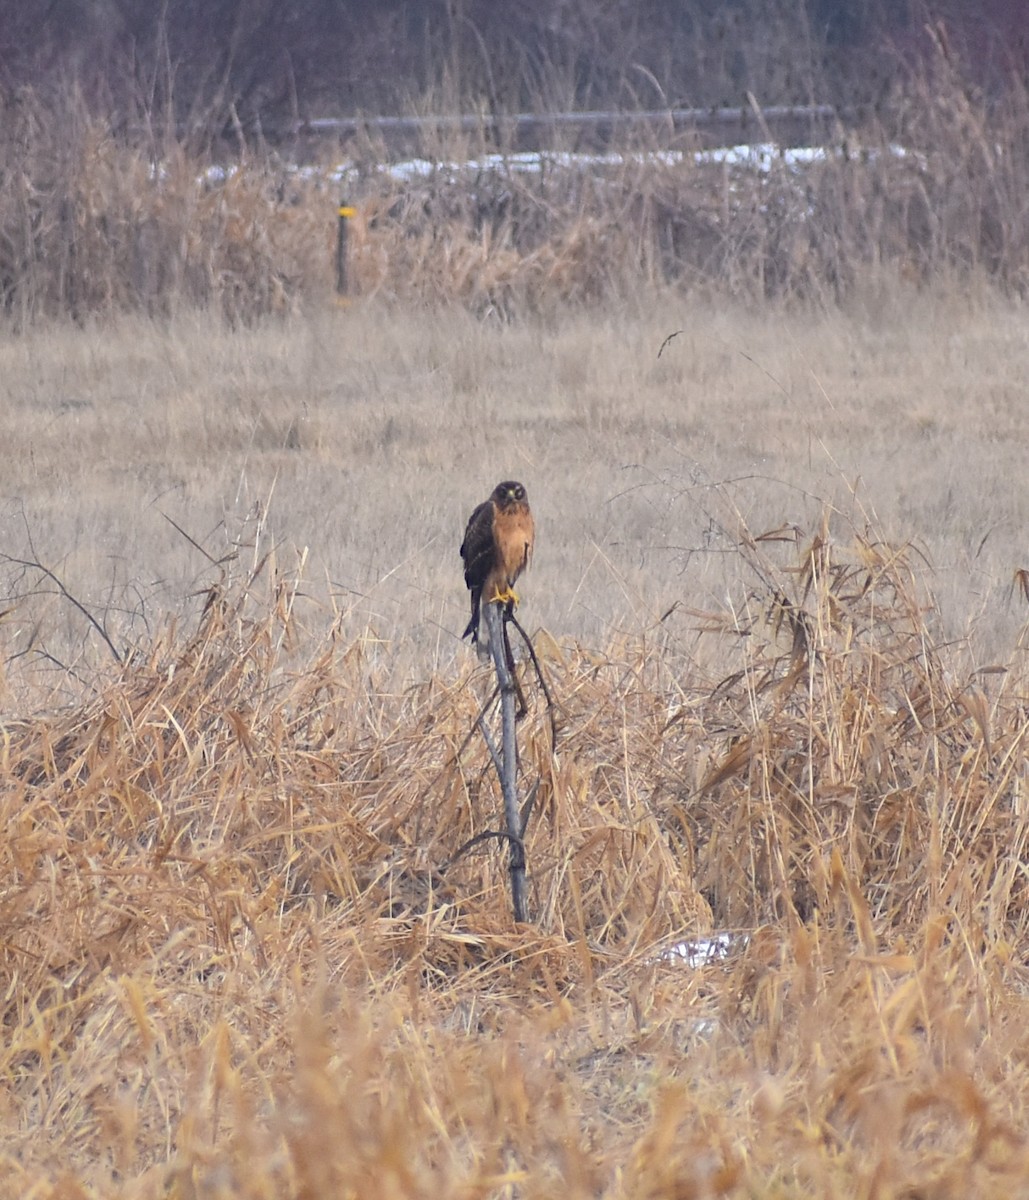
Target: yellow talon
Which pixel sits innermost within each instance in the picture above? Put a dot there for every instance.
(507, 596)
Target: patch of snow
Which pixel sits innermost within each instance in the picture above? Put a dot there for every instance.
(702, 952)
(760, 157)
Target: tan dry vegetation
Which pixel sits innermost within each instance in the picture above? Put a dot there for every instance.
(95, 218)
(240, 956)
(365, 437)
(243, 955)
(779, 597)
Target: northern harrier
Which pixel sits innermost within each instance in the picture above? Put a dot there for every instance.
(497, 548)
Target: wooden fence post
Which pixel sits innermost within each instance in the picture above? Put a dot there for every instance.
(346, 212)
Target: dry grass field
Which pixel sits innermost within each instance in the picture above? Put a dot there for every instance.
(777, 602)
(361, 439)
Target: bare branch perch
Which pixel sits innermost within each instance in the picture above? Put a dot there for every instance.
(494, 616)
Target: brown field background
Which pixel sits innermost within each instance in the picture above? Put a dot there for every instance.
(779, 597)
(238, 958)
(361, 439)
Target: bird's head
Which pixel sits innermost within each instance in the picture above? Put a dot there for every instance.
(509, 492)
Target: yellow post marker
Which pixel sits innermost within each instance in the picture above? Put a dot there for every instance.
(346, 212)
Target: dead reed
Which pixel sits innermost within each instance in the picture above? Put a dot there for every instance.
(928, 192)
(95, 224)
(241, 958)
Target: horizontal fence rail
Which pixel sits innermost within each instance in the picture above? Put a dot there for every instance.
(784, 122)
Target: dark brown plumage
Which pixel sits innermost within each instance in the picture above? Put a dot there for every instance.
(497, 548)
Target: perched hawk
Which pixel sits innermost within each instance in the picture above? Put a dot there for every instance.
(497, 548)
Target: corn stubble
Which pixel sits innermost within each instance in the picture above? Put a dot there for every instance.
(242, 956)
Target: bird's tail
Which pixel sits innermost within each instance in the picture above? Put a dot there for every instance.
(472, 628)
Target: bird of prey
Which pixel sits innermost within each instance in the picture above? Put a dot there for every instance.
(496, 549)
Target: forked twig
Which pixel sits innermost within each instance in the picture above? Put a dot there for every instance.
(505, 759)
(74, 601)
(489, 835)
(487, 705)
(488, 739)
(539, 676)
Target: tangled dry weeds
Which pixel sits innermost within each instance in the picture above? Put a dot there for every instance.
(95, 220)
(241, 956)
